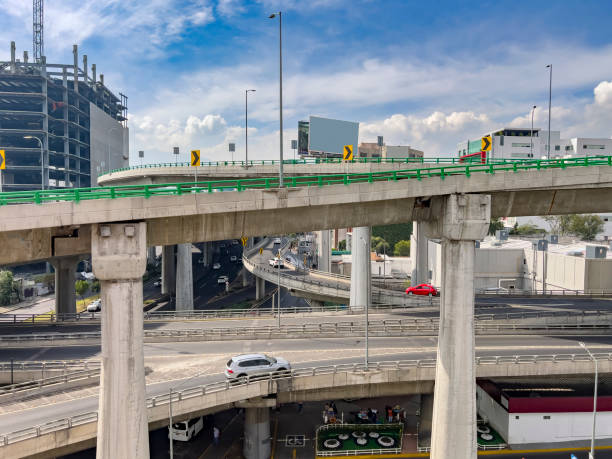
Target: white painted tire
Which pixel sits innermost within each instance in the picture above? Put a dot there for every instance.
(332, 443)
(361, 441)
(486, 436)
(374, 435)
(343, 437)
(386, 442)
(358, 434)
(483, 429)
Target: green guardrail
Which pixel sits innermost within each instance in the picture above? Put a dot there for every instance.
(177, 189)
(272, 162)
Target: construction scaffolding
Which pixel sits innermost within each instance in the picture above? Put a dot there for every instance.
(46, 123)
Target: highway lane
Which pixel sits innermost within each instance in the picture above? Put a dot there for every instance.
(210, 359)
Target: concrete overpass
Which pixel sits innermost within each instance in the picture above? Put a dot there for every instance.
(62, 436)
(117, 223)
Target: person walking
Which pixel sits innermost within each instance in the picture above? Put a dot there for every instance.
(216, 435)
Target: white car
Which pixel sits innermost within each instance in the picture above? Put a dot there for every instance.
(276, 262)
(94, 306)
(277, 240)
(244, 365)
(217, 266)
(222, 279)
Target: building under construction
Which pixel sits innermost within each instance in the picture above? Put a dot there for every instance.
(60, 126)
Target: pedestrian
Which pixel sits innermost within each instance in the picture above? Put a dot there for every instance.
(333, 407)
(300, 407)
(216, 434)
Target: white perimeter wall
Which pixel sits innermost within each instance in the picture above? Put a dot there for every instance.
(533, 428)
(493, 412)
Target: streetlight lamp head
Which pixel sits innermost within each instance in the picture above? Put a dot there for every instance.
(272, 16)
(28, 137)
(548, 65)
(582, 345)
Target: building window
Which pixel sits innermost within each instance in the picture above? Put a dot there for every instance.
(593, 147)
(568, 147)
(516, 417)
(521, 145)
(557, 148)
(546, 417)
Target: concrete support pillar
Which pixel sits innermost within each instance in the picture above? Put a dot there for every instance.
(260, 288)
(168, 270)
(119, 260)
(464, 219)
(151, 255)
(418, 255)
(324, 250)
(361, 283)
(65, 296)
(257, 433)
(184, 278)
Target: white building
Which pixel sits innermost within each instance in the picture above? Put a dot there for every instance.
(543, 414)
(523, 143)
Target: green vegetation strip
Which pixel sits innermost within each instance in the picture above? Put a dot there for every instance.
(177, 189)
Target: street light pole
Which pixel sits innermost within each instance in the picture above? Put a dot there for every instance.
(549, 102)
(171, 427)
(42, 160)
(278, 287)
(246, 126)
(280, 79)
(367, 305)
(531, 144)
(592, 453)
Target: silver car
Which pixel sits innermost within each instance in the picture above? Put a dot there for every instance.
(244, 365)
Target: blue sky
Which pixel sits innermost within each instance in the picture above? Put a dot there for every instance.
(426, 74)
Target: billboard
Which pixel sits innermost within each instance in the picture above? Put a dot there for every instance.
(327, 137)
(303, 137)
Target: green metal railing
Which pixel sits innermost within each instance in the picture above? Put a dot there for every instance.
(272, 162)
(177, 189)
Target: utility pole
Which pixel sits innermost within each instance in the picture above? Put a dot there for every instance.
(549, 103)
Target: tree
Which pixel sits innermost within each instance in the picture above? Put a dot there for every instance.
(393, 233)
(379, 245)
(496, 224)
(6, 287)
(402, 249)
(526, 230)
(586, 226)
(81, 288)
(95, 286)
(559, 224)
(342, 245)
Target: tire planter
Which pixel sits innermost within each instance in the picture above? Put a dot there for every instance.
(358, 434)
(374, 435)
(483, 429)
(332, 443)
(343, 437)
(486, 436)
(361, 441)
(385, 441)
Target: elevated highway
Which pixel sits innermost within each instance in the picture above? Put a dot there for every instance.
(116, 224)
(65, 423)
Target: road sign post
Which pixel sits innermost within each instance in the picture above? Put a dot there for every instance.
(347, 153)
(485, 143)
(195, 162)
(232, 149)
(2, 166)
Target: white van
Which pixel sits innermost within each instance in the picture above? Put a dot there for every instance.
(186, 430)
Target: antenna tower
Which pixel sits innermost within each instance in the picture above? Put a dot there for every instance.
(37, 30)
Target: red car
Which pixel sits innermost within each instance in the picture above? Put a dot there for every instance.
(422, 289)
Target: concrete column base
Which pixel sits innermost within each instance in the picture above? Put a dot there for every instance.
(260, 288)
(119, 260)
(168, 276)
(418, 255)
(65, 295)
(184, 278)
(257, 442)
(360, 268)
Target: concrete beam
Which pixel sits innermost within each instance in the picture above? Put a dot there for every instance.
(361, 271)
(65, 295)
(184, 278)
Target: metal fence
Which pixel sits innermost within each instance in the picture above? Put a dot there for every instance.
(200, 390)
(45, 382)
(177, 189)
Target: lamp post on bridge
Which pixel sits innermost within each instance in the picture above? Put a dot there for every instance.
(592, 452)
(246, 127)
(42, 160)
(280, 80)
